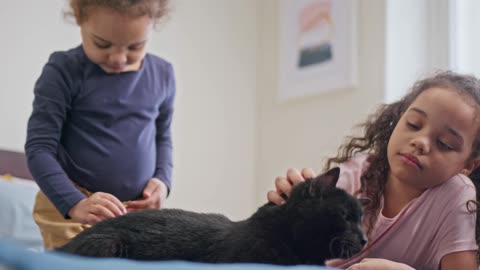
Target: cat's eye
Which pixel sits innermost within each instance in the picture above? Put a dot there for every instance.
(343, 213)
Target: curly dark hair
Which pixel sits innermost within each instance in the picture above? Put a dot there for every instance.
(155, 9)
(379, 127)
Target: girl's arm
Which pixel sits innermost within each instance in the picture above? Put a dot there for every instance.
(54, 93)
(459, 260)
(164, 165)
(381, 264)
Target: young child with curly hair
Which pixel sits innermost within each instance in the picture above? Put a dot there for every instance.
(100, 130)
(417, 162)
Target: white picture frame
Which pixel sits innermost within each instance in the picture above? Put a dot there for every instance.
(317, 47)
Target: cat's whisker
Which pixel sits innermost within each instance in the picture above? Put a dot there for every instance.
(349, 253)
(332, 242)
(343, 253)
(347, 247)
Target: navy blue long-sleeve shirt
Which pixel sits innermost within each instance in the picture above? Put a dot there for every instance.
(106, 132)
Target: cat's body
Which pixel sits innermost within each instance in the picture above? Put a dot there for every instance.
(318, 222)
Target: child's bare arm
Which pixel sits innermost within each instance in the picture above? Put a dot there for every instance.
(380, 264)
(459, 260)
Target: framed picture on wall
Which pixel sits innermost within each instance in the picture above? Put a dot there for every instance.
(317, 48)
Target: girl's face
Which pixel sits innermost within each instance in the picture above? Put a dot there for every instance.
(115, 42)
(433, 139)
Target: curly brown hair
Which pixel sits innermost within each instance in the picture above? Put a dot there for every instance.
(379, 127)
(155, 9)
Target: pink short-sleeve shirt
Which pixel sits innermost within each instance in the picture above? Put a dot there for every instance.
(429, 227)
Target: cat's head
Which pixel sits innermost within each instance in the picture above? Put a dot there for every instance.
(325, 220)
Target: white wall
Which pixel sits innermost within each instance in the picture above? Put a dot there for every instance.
(300, 133)
(231, 136)
(415, 47)
(466, 20)
(405, 43)
(399, 41)
(29, 31)
(212, 44)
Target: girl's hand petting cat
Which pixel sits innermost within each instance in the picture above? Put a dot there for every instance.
(284, 185)
(99, 206)
(154, 196)
(379, 264)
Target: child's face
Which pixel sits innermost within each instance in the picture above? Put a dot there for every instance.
(433, 139)
(115, 42)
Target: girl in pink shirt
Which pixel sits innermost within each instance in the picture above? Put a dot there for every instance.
(417, 162)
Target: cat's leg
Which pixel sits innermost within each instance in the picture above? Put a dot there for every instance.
(97, 245)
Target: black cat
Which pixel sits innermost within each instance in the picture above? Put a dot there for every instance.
(317, 222)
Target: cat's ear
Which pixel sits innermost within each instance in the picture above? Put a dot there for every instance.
(330, 178)
(312, 187)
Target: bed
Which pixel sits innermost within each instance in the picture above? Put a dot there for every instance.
(17, 194)
(20, 238)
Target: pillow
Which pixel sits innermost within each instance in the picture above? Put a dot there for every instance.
(17, 197)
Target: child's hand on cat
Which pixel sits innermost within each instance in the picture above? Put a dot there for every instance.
(379, 264)
(154, 196)
(283, 185)
(99, 206)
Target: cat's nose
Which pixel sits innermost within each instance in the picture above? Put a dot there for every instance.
(363, 241)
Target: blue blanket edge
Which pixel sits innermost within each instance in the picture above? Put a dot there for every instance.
(14, 256)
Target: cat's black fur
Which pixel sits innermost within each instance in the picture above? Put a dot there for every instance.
(317, 222)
